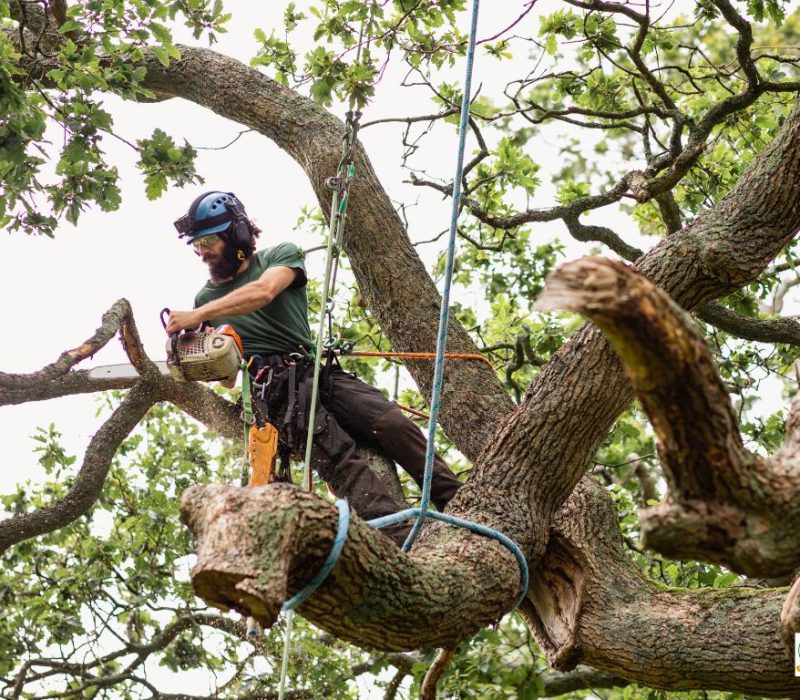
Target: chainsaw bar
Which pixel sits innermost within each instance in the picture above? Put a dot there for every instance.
(123, 371)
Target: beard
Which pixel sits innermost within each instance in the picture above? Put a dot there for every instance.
(226, 266)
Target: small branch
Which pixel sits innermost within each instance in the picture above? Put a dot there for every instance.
(435, 671)
(412, 120)
(394, 685)
(89, 481)
(582, 678)
(118, 317)
(604, 235)
(670, 211)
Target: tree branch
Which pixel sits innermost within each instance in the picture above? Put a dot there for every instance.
(376, 595)
(89, 480)
(590, 603)
(435, 671)
(726, 505)
(762, 330)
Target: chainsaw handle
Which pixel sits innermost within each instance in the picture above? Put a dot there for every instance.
(164, 316)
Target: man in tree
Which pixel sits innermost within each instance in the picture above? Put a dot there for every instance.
(262, 295)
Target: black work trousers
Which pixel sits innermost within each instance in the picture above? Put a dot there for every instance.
(352, 413)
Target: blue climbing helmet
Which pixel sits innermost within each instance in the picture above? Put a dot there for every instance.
(215, 212)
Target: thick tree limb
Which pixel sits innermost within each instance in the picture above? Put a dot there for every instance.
(726, 504)
(763, 330)
(257, 547)
(592, 605)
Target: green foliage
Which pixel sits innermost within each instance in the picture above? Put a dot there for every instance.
(162, 161)
(103, 51)
(118, 577)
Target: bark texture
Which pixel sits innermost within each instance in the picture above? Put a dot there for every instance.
(726, 504)
(592, 605)
(524, 472)
(532, 463)
(257, 547)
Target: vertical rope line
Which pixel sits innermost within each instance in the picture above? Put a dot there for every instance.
(444, 311)
(335, 231)
(285, 661)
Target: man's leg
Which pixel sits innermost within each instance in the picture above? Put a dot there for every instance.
(403, 442)
(334, 455)
(346, 470)
(371, 418)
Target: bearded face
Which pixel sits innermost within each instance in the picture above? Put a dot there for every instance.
(223, 261)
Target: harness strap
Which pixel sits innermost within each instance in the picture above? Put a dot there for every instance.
(292, 400)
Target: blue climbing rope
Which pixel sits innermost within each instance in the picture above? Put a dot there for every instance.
(330, 562)
(423, 511)
(469, 525)
(444, 311)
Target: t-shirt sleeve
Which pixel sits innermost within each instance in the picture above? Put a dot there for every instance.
(288, 255)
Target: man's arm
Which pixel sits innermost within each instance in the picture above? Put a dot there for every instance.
(240, 301)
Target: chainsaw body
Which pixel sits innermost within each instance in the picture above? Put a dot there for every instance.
(205, 355)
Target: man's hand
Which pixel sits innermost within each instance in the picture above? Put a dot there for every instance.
(181, 320)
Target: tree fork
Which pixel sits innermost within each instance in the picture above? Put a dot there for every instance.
(592, 605)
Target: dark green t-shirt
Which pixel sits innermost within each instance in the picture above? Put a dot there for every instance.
(278, 327)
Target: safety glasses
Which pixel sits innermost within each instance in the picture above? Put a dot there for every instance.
(205, 241)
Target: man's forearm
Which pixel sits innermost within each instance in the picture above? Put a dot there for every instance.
(240, 301)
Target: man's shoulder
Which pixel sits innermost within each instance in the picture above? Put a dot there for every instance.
(282, 254)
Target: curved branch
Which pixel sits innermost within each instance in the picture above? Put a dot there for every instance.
(601, 234)
(435, 671)
(726, 504)
(89, 480)
(117, 318)
(762, 330)
(258, 546)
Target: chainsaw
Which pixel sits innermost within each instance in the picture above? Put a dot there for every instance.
(203, 354)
